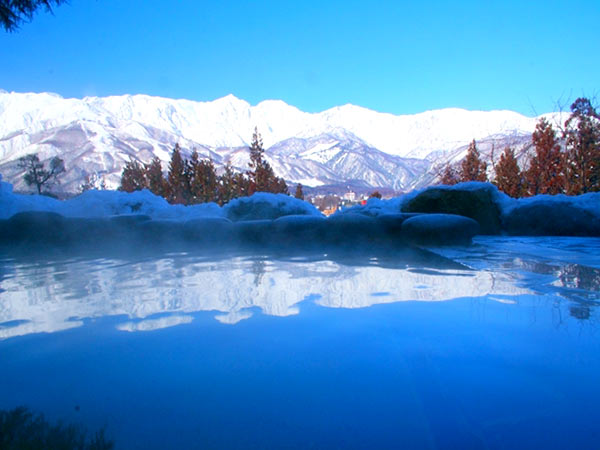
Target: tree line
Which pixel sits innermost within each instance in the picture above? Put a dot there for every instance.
(566, 161)
(195, 180)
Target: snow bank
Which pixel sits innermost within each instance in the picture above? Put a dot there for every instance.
(263, 205)
(439, 215)
(554, 215)
(95, 204)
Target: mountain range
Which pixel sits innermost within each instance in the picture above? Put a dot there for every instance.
(346, 147)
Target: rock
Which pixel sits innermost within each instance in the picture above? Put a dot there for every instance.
(35, 226)
(439, 229)
(299, 231)
(391, 224)
(475, 200)
(551, 219)
(266, 206)
(352, 229)
(253, 232)
(209, 231)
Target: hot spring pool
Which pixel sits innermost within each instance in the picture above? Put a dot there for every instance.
(320, 351)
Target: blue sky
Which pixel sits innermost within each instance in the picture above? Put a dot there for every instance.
(398, 57)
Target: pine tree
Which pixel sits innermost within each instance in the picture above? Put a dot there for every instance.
(242, 185)
(14, 12)
(509, 177)
(133, 177)
(203, 180)
(36, 173)
(449, 176)
(262, 177)
(226, 185)
(299, 194)
(154, 177)
(545, 174)
(178, 179)
(582, 136)
(472, 168)
(375, 194)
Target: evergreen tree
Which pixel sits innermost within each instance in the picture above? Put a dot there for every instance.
(582, 138)
(299, 194)
(178, 179)
(226, 185)
(509, 177)
(154, 177)
(472, 168)
(203, 180)
(375, 194)
(133, 177)
(545, 174)
(258, 173)
(262, 177)
(449, 176)
(14, 12)
(36, 173)
(242, 185)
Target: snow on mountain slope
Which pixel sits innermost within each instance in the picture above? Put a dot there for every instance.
(99, 134)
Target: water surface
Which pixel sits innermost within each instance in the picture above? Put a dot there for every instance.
(323, 351)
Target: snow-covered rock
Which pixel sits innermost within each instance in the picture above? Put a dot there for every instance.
(439, 229)
(263, 205)
(557, 215)
(479, 201)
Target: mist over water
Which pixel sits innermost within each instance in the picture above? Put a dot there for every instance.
(488, 346)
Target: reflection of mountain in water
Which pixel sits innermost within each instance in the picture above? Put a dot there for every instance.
(47, 297)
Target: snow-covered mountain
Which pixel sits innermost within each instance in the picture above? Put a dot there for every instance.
(97, 135)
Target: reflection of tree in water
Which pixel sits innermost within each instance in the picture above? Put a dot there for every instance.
(573, 276)
(258, 269)
(581, 311)
(580, 277)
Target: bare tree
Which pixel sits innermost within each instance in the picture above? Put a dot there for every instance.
(36, 174)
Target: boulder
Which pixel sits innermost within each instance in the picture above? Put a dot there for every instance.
(266, 206)
(34, 226)
(391, 224)
(439, 229)
(209, 231)
(551, 219)
(351, 229)
(299, 231)
(253, 232)
(475, 200)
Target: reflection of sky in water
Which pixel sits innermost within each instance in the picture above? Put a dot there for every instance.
(335, 354)
(56, 295)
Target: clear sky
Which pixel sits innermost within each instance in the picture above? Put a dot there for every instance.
(398, 57)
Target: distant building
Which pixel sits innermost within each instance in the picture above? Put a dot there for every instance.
(350, 196)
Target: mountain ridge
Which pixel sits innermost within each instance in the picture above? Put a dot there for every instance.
(100, 134)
